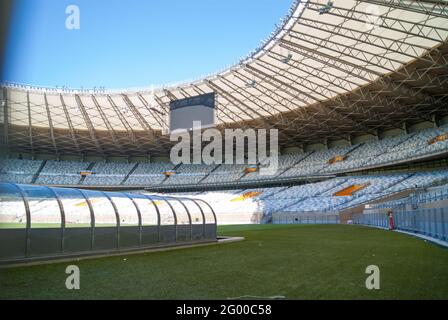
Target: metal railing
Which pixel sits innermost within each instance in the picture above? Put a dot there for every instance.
(428, 222)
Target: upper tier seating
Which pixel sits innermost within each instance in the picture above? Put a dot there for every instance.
(108, 174)
(18, 171)
(315, 162)
(369, 154)
(184, 178)
(61, 172)
(284, 162)
(189, 174)
(149, 174)
(414, 147)
(365, 153)
(225, 173)
(195, 168)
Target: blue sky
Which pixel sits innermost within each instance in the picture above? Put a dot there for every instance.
(128, 43)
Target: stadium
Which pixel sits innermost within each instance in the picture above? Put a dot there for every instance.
(357, 93)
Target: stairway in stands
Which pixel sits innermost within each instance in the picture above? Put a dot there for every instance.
(174, 169)
(296, 163)
(130, 173)
(89, 168)
(208, 174)
(346, 155)
(36, 175)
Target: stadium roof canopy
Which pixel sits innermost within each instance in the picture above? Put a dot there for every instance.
(331, 70)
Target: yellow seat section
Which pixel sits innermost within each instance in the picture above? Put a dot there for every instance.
(336, 159)
(439, 138)
(247, 195)
(349, 191)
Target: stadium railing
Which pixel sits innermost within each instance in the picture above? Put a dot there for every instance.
(432, 222)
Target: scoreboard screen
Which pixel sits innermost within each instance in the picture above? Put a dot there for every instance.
(185, 111)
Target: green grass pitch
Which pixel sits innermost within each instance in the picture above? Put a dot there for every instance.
(293, 261)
